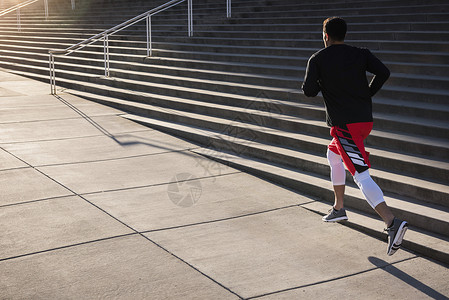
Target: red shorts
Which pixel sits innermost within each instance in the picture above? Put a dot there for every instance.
(348, 143)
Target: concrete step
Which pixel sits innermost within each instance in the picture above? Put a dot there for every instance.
(269, 12)
(313, 27)
(431, 94)
(413, 144)
(440, 36)
(388, 55)
(178, 35)
(200, 89)
(229, 26)
(286, 156)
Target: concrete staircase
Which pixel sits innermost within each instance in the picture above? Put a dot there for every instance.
(234, 88)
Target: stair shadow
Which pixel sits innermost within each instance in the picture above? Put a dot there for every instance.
(105, 131)
(389, 268)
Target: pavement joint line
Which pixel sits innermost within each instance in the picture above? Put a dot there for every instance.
(75, 109)
(66, 246)
(11, 169)
(224, 219)
(332, 279)
(74, 138)
(36, 200)
(115, 158)
(156, 184)
(48, 120)
(191, 266)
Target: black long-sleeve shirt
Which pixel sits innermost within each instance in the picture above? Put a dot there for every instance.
(339, 72)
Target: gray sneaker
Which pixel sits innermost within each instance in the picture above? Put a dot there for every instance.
(396, 233)
(335, 215)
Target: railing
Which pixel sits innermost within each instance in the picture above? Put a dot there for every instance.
(17, 8)
(104, 36)
(22, 5)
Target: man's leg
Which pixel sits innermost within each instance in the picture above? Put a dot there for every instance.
(338, 178)
(385, 213)
(349, 143)
(339, 191)
(374, 196)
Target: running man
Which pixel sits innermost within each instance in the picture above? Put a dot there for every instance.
(339, 72)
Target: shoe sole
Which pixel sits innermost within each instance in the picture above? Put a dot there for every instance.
(398, 238)
(336, 219)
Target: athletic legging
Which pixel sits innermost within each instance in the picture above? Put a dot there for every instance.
(371, 191)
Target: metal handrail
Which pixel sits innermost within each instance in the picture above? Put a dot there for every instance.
(17, 8)
(104, 36)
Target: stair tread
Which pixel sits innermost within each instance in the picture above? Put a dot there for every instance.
(304, 155)
(398, 136)
(295, 135)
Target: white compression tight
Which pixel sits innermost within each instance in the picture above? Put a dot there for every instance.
(371, 191)
(338, 173)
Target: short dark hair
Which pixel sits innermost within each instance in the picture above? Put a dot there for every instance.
(335, 28)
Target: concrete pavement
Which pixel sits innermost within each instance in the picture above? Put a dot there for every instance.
(93, 205)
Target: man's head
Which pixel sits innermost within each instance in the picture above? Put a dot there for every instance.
(334, 31)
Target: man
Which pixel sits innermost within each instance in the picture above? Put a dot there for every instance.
(339, 72)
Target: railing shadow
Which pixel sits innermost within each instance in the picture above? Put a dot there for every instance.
(391, 269)
(106, 132)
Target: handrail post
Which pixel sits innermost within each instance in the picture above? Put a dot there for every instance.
(228, 8)
(106, 55)
(190, 17)
(52, 74)
(149, 41)
(73, 4)
(19, 27)
(46, 9)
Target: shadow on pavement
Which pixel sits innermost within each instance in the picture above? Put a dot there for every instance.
(389, 268)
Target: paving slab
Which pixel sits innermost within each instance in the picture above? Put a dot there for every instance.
(122, 268)
(8, 161)
(43, 225)
(95, 148)
(229, 196)
(58, 110)
(27, 101)
(8, 93)
(417, 278)
(27, 184)
(132, 172)
(27, 114)
(274, 251)
(25, 86)
(84, 107)
(5, 75)
(67, 128)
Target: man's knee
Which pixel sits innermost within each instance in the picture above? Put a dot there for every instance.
(333, 158)
(372, 192)
(338, 173)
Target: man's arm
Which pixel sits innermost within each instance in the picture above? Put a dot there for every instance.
(380, 71)
(310, 86)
